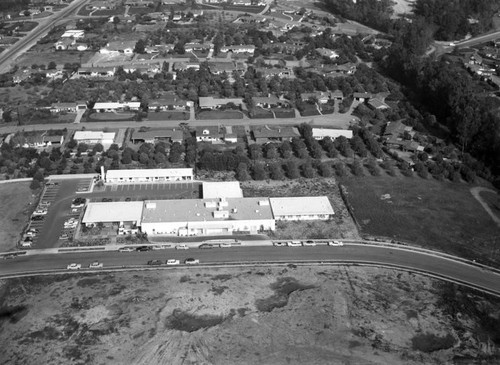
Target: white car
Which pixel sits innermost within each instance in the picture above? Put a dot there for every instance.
(335, 243)
(40, 212)
(294, 244)
(126, 249)
(225, 245)
(182, 247)
(95, 265)
(74, 266)
(309, 243)
(26, 244)
(64, 236)
(75, 210)
(173, 262)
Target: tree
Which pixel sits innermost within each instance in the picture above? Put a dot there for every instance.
(140, 46)
(98, 148)
(7, 116)
(82, 147)
(308, 170)
(52, 65)
(292, 169)
(116, 21)
(325, 169)
(35, 184)
(276, 172)
(242, 173)
(357, 168)
(259, 172)
(340, 169)
(255, 151)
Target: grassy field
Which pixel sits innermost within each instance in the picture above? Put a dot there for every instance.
(168, 115)
(437, 215)
(19, 200)
(44, 57)
(493, 200)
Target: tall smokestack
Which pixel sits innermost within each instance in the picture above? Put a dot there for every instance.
(103, 176)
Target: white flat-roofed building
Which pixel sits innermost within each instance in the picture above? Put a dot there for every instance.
(302, 208)
(320, 133)
(222, 189)
(120, 213)
(148, 175)
(201, 217)
(115, 106)
(93, 137)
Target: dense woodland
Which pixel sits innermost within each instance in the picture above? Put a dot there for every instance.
(442, 91)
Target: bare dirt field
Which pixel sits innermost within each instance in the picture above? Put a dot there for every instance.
(342, 226)
(439, 215)
(260, 315)
(17, 201)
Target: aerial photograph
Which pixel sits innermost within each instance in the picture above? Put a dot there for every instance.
(240, 182)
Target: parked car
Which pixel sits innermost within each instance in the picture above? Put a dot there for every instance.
(172, 262)
(154, 262)
(40, 212)
(125, 249)
(128, 199)
(335, 243)
(30, 233)
(96, 265)
(280, 244)
(308, 243)
(294, 244)
(26, 244)
(10, 256)
(83, 188)
(143, 248)
(181, 247)
(64, 236)
(107, 200)
(37, 217)
(225, 245)
(74, 266)
(191, 261)
(205, 246)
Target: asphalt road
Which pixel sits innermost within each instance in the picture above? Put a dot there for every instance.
(411, 260)
(479, 39)
(29, 40)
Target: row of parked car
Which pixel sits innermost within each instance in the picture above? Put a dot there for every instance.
(188, 261)
(93, 265)
(307, 243)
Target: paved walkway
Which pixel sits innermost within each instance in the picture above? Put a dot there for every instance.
(475, 191)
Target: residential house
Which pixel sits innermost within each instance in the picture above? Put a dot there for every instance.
(190, 47)
(284, 73)
(167, 102)
(337, 95)
(64, 44)
(267, 102)
(74, 33)
(117, 47)
(158, 135)
(94, 137)
(103, 107)
(182, 66)
(98, 72)
(321, 96)
(361, 97)
(140, 3)
(328, 53)
(67, 107)
(394, 134)
(242, 2)
(320, 133)
(208, 134)
(217, 68)
(101, 5)
(377, 104)
(265, 134)
(249, 49)
(209, 102)
(42, 140)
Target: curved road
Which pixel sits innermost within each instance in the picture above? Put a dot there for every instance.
(444, 268)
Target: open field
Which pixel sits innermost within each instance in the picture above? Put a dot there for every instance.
(167, 115)
(47, 56)
(260, 315)
(493, 201)
(342, 226)
(437, 215)
(16, 201)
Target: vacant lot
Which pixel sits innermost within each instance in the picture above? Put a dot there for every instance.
(261, 315)
(168, 115)
(47, 56)
(438, 215)
(16, 202)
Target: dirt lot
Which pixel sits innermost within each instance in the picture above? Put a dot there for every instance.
(281, 315)
(60, 58)
(342, 226)
(19, 199)
(438, 215)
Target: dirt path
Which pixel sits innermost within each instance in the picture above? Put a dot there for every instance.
(475, 191)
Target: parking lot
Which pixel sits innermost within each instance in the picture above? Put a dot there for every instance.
(148, 191)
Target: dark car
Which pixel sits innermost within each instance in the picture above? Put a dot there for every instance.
(143, 248)
(107, 200)
(154, 262)
(10, 256)
(37, 218)
(128, 199)
(205, 246)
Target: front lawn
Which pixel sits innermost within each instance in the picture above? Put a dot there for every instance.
(219, 114)
(168, 115)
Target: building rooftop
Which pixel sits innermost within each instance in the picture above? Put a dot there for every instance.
(110, 174)
(306, 205)
(278, 132)
(79, 135)
(113, 212)
(222, 189)
(204, 210)
(332, 133)
(158, 134)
